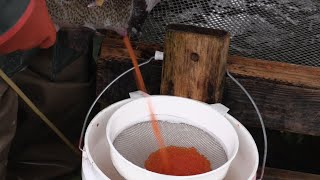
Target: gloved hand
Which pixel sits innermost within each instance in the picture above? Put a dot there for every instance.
(34, 29)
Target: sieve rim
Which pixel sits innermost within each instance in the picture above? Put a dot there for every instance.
(119, 155)
(114, 150)
(156, 97)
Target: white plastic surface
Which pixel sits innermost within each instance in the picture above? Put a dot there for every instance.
(158, 55)
(97, 165)
(245, 164)
(137, 94)
(185, 110)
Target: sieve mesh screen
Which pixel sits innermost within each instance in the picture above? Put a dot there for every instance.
(276, 30)
(137, 142)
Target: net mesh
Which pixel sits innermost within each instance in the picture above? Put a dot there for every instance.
(276, 30)
(137, 142)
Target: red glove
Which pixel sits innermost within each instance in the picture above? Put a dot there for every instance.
(34, 29)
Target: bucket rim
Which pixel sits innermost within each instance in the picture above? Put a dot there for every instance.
(86, 149)
(252, 141)
(224, 166)
(250, 176)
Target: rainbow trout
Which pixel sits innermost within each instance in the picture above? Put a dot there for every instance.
(117, 15)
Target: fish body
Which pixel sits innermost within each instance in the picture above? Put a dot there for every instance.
(117, 15)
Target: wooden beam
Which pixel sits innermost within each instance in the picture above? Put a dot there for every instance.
(284, 73)
(195, 62)
(287, 95)
(283, 107)
(272, 71)
(113, 46)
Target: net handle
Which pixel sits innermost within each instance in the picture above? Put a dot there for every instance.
(98, 97)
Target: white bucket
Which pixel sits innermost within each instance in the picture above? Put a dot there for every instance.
(96, 161)
(97, 164)
(174, 110)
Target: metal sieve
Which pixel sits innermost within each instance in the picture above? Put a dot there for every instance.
(137, 142)
(183, 122)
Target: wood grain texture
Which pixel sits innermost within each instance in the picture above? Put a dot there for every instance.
(109, 70)
(287, 95)
(194, 62)
(284, 73)
(283, 107)
(113, 46)
(114, 59)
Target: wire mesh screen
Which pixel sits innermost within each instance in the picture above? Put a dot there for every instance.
(278, 30)
(129, 142)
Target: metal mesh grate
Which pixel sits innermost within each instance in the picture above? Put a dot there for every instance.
(137, 142)
(279, 30)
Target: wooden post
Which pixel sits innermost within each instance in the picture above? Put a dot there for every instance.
(288, 95)
(195, 62)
